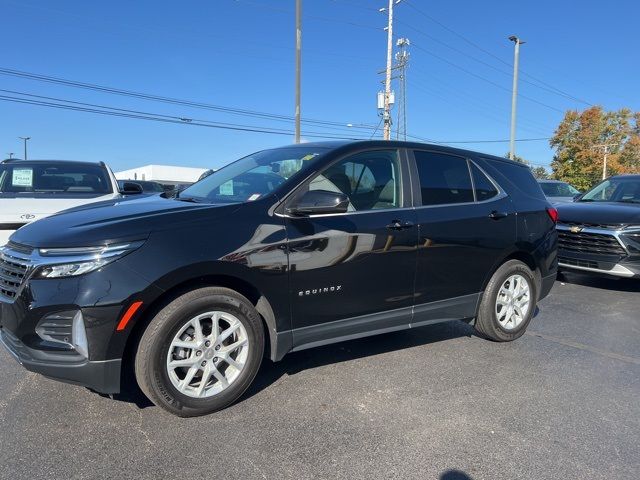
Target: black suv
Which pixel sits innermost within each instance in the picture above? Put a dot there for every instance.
(283, 250)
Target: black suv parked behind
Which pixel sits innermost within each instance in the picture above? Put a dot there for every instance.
(280, 251)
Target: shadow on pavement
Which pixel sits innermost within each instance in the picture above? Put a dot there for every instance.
(455, 475)
(296, 362)
(600, 281)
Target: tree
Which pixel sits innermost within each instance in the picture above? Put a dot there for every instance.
(579, 141)
(540, 172)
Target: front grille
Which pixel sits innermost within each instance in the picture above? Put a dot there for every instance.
(578, 263)
(603, 226)
(14, 266)
(588, 242)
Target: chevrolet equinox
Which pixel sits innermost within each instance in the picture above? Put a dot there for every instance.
(280, 251)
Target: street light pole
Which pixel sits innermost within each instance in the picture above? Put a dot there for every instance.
(298, 65)
(386, 115)
(10, 155)
(25, 145)
(514, 95)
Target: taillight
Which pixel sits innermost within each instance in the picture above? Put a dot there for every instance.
(553, 214)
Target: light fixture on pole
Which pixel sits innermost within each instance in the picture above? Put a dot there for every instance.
(25, 145)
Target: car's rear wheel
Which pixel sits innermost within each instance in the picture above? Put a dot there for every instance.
(508, 303)
(201, 352)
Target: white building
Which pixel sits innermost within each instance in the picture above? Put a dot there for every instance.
(162, 173)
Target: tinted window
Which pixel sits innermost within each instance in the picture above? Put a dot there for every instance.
(371, 180)
(444, 178)
(254, 176)
(520, 176)
(616, 189)
(485, 189)
(553, 189)
(56, 178)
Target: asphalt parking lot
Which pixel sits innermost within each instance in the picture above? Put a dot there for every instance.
(432, 403)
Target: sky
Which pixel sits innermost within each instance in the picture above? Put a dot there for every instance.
(239, 54)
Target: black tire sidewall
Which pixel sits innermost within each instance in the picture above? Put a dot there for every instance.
(172, 322)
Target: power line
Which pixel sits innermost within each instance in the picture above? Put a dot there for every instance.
(484, 79)
(550, 88)
(52, 102)
(134, 114)
(169, 100)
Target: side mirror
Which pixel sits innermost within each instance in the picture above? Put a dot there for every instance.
(131, 188)
(315, 202)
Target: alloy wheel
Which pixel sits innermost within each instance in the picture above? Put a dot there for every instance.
(207, 354)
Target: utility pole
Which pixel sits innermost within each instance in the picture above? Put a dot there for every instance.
(386, 114)
(514, 96)
(605, 150)
(298, 65)
(25, 145)
(402, 59)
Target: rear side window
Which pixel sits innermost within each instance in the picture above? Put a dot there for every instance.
(521, 177)
(485, 189)
(444, 179)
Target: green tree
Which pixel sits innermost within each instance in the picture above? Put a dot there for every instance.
(578, 144)
(540, 172)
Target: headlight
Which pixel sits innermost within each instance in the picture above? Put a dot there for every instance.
(71, 262)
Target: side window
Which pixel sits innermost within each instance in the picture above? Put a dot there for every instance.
(371, 180)
(518, 175)
(444, 179)
(485, 189)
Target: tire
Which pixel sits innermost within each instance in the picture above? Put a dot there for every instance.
(160, 381)
(487, 322)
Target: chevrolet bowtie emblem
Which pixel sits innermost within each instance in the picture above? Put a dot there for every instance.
(576, 229)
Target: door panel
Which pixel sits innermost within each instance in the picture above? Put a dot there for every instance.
(466, 225)
(458, 246)
(350, 265)
(358, 263)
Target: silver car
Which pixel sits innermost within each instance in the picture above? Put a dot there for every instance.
(557, 191)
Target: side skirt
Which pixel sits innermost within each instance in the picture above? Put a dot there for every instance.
(458, 308)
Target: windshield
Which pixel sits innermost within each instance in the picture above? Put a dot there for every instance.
(552, 189)
(252, 177)
(626, 190)
(29, 179)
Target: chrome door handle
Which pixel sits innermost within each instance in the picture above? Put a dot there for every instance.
(398, 225)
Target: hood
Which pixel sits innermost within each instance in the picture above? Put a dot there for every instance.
(116, 220)
(17, 210)
(602, 213)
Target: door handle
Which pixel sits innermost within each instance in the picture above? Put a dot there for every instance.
(495, 215)
(398, 225)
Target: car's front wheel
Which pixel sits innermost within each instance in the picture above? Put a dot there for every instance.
(200, 352)
(508, 303)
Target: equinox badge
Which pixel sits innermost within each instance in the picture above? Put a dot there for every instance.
(317, 291)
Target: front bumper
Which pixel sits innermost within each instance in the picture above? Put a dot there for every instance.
(35, 328)
(102, 376)
(598, 264)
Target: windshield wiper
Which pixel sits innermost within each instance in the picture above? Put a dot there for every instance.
(628, 200)
(187, 199)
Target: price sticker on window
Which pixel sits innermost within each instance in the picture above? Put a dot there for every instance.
(226, 188)
(22, 177)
